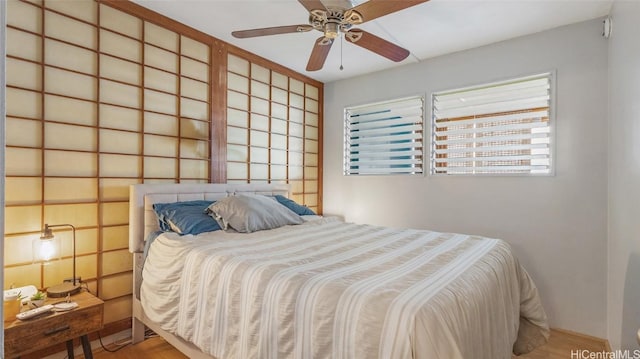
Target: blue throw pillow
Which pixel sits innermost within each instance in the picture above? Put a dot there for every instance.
(292, 205)
(187, 217)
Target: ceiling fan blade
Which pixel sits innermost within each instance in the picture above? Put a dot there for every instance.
(319, 54)
(312, 5)
(376, 44)
(373, 9)
(276, 30)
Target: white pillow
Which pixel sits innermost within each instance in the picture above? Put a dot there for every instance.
(248, 213)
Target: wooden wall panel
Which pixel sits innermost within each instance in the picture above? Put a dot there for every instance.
(273, 130)
(107, 94)
(95, 98)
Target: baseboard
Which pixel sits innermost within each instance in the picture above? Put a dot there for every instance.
(108, 329)
(607, 346)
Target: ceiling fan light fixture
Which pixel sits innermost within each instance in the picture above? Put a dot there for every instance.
(331, 30)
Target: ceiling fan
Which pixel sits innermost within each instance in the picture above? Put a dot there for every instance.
(333, 20)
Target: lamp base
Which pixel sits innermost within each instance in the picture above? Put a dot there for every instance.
(62, 290)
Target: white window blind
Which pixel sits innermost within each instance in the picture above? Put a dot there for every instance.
(499, 128)
(384, 138)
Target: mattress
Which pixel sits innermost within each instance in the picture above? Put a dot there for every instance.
(329, 289)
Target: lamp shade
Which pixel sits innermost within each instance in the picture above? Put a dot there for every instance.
(46, 249)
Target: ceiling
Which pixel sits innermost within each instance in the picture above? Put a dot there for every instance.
(427, 30)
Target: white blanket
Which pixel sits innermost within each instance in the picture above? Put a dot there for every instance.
(328, 289)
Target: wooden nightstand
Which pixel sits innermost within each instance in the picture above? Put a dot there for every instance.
(23, 337)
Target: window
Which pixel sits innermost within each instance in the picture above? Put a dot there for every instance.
(384, 138)
(498, 128)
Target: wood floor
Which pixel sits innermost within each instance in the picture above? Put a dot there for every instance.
(560, 346)
(562, 343)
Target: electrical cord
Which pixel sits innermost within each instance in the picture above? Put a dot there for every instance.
(119, 343)
(114, 342)
(119, 346)
(85, 285)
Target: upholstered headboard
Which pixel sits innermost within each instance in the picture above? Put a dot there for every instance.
(142, 219)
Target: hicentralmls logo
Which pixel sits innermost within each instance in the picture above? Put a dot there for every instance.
(617, 354)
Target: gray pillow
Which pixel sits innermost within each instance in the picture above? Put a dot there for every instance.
(248, 213)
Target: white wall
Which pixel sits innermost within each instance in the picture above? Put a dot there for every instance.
(557, 225)
(624, 176)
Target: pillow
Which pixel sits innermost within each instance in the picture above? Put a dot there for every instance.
(185, 217)
(295, 207)
(248, 213)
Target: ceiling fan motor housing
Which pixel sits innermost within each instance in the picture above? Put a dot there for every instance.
(333, 21)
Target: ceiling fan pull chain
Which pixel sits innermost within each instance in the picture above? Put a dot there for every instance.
(341, 40)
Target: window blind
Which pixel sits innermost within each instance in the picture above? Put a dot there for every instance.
(384, 138)
(499, 128)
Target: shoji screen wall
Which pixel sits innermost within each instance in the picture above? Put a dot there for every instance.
(103, 94)
(97, 99)
(273, 130)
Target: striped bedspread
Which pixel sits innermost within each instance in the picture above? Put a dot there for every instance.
(329, 289)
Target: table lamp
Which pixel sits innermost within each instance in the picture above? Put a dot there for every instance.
(45, 249)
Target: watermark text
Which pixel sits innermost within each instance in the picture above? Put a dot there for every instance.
(616, 354)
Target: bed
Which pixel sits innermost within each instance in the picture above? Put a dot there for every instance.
(323, 288)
